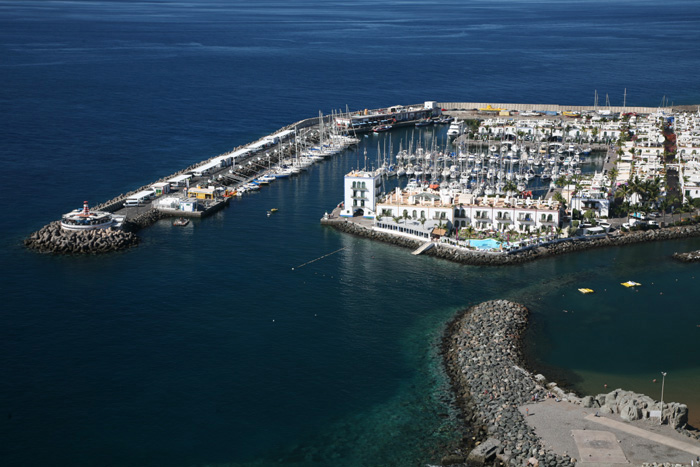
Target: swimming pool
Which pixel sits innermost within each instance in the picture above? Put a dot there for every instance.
(486, 244)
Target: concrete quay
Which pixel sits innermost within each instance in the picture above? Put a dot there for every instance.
(515, 418)
(52, 239)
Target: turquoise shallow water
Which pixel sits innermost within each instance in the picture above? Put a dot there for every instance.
(202, 346)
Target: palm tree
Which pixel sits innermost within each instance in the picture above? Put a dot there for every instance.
(557, 196)
(510, 187)
(469, 230)
(665, 203)
(612, 173)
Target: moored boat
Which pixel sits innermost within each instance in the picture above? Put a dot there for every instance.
(181, 222)
(381, 128)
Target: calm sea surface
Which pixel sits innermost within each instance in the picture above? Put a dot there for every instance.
(202, 346)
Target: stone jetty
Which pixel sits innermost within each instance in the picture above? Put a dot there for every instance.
(481, 351)
(489, 258)
(689, 257)
(52, 239)
(482, 355)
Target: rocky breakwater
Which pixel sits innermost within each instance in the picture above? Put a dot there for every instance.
(481, 350)
(689, 257)
(632, 406)
(53, 239)
(545, 250)
(354, 228)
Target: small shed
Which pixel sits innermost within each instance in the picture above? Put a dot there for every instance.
(161, 188)
(188, 205)
(180, 180)
(201, 193)
(438, 232)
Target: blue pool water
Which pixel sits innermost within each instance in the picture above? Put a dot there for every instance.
(486, 244)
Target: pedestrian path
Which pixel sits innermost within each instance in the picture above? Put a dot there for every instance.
(655, 437)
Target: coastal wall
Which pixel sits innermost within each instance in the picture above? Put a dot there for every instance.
(485, 258)
(482, 356)
(546, 107)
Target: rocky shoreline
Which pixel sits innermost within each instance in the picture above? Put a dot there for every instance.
(484, 258)
(482, 356)
(689, 257)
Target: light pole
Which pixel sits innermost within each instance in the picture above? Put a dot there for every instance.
(663, 380)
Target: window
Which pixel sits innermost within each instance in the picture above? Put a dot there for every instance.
(414, 214)
(422, 214)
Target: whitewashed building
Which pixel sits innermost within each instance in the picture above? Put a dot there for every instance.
(425, 210)
(362, 188)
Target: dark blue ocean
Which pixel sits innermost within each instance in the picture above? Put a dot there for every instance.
(202, 346)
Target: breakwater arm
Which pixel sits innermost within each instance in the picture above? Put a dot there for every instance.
(482, 357)
(545, 250)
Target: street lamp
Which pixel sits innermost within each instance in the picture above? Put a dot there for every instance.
(663, 380)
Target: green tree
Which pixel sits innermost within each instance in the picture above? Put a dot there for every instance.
(612, 174)
(469, 230)
(557, 196)
(510, 187)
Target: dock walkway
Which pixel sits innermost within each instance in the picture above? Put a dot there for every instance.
(423, 248)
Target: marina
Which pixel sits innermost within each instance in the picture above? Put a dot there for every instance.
(526, 170)
(202, 340)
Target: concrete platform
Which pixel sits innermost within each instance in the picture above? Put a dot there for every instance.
(607, 440)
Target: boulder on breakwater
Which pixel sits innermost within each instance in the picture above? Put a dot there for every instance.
(53, 239)
(689, 257)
